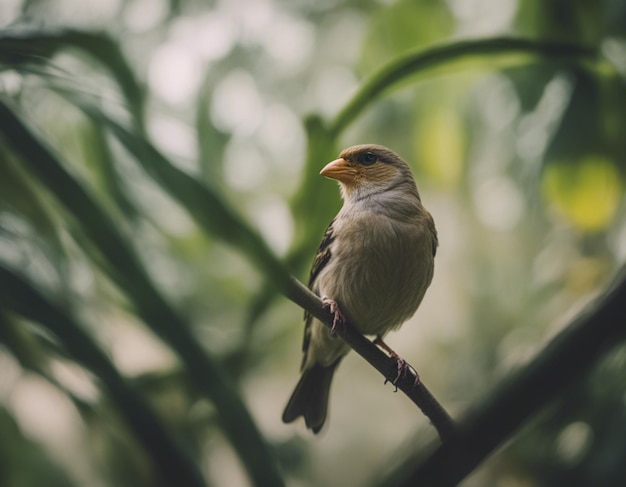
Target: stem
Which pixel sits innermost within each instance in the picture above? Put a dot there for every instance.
(419, 60)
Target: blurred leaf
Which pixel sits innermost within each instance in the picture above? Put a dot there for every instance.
(580, 129)
(124, 266)
(556, 451)
(28, 224)
(203, 202)
(211, 141)
(21, 196)
(613, 120)
(563, 20)
(404, 25)
(415, 62)
(23, 46)
(167, 456)
(440, 145)
(98, 151)
(554, 371)
(615, 17)
(581, 178)
(313, 204)
(34, 353)
(23, 463)
(587, 191)
(23, 346)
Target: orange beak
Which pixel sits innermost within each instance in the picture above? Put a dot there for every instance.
(339, 169)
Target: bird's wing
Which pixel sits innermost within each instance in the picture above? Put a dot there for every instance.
(323, 254)
(321, 259)
(433, 234)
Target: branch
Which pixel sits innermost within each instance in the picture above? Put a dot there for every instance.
(560, 365)
(223, 222)
(417, 392)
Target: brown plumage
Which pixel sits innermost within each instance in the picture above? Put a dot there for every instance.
(375, 262)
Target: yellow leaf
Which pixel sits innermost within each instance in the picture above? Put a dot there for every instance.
(440, 147)
(586, 192)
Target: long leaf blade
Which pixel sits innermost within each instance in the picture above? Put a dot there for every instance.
(126, 269)
(421, 60)
(168, 457)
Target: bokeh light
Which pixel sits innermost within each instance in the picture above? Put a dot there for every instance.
(528, 201)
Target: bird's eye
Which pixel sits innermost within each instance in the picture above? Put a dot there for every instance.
(368, 159)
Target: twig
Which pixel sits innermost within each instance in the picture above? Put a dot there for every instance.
(188, 192)
(407, 383)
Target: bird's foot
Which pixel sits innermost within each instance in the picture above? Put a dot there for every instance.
(338, 317)
(402, 366)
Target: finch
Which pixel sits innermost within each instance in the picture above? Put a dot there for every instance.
(372, 269)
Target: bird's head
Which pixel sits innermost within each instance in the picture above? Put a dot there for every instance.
(367, 170)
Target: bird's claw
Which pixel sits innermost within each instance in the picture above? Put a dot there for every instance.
(338, 317)
(402, 366)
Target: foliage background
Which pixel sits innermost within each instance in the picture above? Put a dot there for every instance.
(520, 159)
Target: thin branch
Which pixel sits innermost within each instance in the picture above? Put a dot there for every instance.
(560, 365)
(408, 383)
(224, 223)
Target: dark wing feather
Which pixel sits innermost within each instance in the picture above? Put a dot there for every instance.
(433, 234)
(321, 259)
(323, 254)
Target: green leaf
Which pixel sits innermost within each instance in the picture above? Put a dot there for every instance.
(126, 269)
(20, 47)
(405, 25)
(416, 62)
(315, 203)
(168, 458)
(203, 202)
(98, 150)
(211, 141)
(24, 462)
(587, 191)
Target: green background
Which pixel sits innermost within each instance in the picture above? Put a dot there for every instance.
(159, 177)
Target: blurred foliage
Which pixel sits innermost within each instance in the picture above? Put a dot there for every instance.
(157, 156)
(575, 442)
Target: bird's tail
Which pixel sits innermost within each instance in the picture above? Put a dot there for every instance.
(310, 397)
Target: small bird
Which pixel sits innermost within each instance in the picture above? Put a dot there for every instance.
(372, 269)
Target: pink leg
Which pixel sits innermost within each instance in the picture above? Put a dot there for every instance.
(338, 317)
(402, 365)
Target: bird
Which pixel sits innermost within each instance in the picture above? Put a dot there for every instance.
(372, 269)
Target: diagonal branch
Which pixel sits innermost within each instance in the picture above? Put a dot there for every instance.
(408, 383)
(223, 222)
